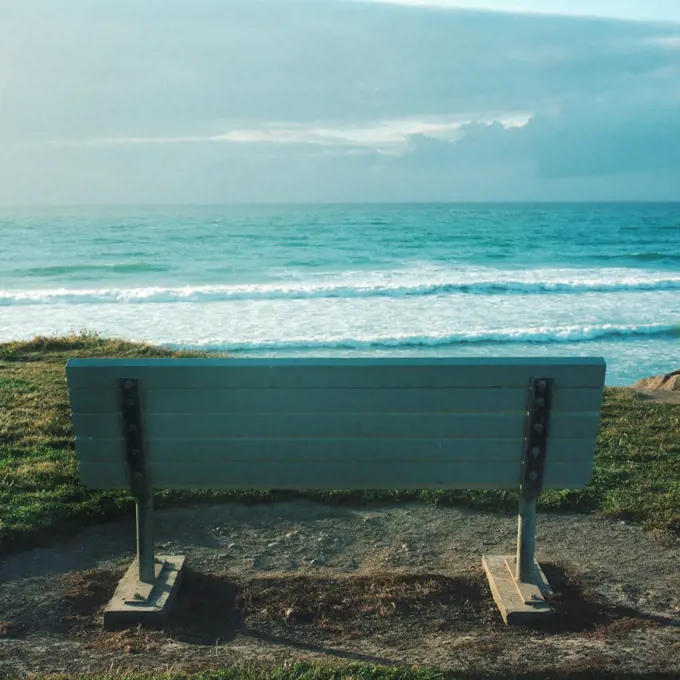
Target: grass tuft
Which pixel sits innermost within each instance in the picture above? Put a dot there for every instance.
(307, 670)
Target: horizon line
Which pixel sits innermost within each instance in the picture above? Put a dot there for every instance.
(22, 206)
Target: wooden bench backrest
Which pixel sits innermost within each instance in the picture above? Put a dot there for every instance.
(335, 424)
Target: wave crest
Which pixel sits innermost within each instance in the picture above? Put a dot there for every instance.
(325, 290)
(545, 335)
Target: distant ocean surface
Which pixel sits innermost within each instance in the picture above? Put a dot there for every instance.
(356, 280)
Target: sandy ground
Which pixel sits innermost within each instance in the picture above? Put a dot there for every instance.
(661, 396)
(396, 584)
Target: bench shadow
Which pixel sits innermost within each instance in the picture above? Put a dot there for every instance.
(579, 608)
(310, 647)
(205, 611)
(212, 609)
(206, 614)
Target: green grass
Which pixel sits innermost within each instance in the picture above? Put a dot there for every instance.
(304, 670)
(637, 464)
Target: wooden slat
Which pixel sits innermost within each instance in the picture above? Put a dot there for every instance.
(355, 424)
(339, 425)
(329, 373)
(208, 451)
(334, 475)
(376, 400)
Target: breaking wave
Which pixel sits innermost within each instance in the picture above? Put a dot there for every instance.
(321, 290)
(545, 335)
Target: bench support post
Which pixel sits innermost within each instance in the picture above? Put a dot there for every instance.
(146, 592)
(526, 535)
(145, 542)
(517, 582)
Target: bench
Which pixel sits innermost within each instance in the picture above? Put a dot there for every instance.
(415, 423)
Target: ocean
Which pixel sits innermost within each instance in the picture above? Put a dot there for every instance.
(355, 280)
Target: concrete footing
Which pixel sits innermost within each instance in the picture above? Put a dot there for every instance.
(146, 604)
(520, 603)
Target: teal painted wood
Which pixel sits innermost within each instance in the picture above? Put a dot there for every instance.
(322, 373)
(338, 425)
(209, 451)
(319, 400)
(443, 423)
(337, 475)
(417, 362)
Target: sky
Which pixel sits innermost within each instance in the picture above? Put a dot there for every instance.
(171, 101)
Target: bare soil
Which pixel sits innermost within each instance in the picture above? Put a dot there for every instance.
(661, 396)
(396, 584)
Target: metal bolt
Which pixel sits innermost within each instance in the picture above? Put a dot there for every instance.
(541, 385)
(535, 452)
(533, 475)
(128, 385)
(538, 427)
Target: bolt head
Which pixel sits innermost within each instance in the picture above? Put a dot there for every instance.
(533, 475)
(535, 452)
(128, 384)
(538, 427)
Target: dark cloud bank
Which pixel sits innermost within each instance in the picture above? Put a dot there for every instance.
(603, 98)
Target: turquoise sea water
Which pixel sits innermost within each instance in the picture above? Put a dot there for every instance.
(455, 280)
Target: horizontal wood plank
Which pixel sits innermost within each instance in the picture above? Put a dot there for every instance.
(337, 475)
(337, 425)
(320, 400)
(329, 373)
(209, 451)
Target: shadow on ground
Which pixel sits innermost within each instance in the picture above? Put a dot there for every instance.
(324, 612)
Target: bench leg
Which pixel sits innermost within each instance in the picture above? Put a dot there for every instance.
(517, 582)
(145, 594)
(145, 540)
(526, 535)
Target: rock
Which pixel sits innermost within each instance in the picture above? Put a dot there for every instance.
(668, 381)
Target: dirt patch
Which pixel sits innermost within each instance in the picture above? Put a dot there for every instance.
(394, 585)
(661, 396)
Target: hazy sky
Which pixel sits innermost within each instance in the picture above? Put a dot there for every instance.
(169, 101)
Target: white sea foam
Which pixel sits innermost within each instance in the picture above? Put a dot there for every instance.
(541, 335)
(426, 282)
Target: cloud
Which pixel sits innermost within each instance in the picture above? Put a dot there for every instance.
(174, 69)
(163, 101)
(388, 135)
